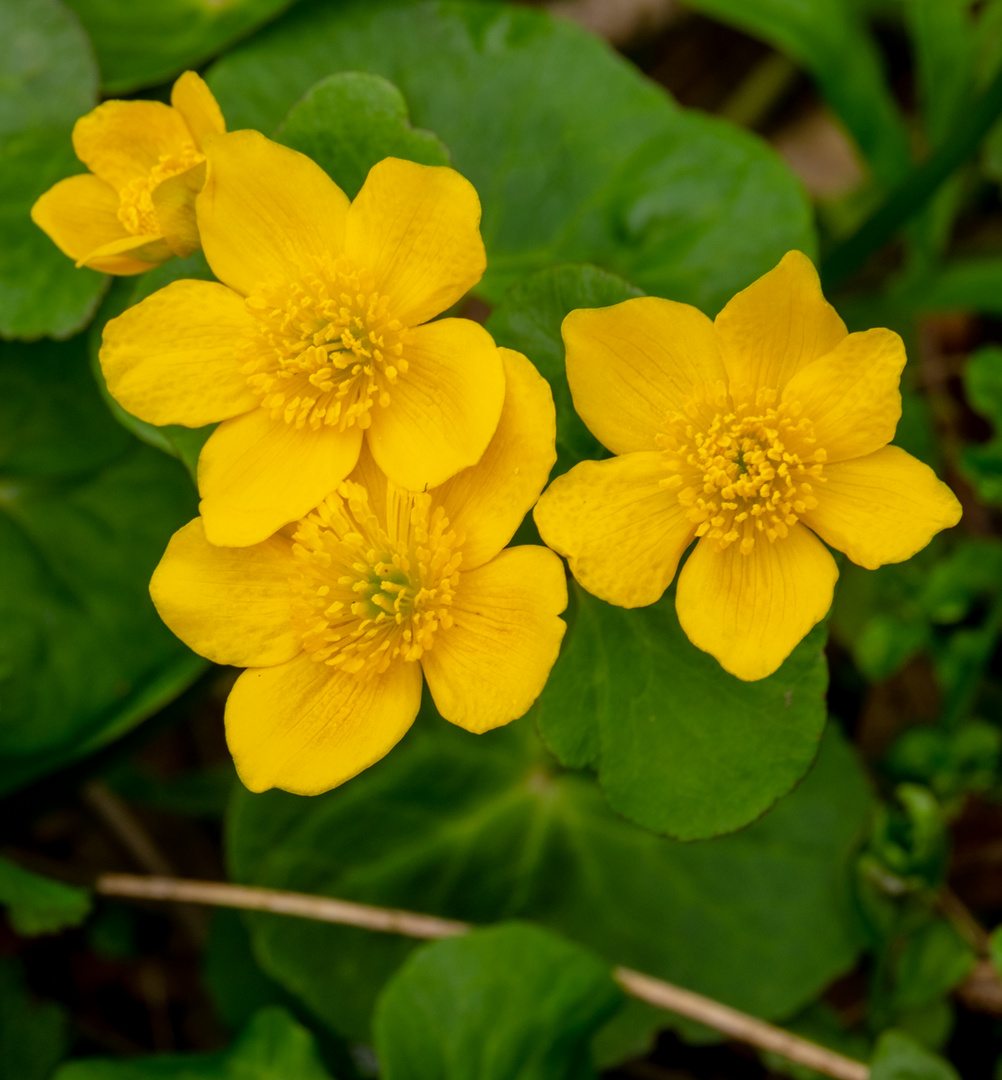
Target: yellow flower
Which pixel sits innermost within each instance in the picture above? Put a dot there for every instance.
(338, 615)
(315, 339)
(758, 433)
(136, 206)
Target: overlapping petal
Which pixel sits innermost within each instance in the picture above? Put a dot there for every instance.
(443, 409)
(231, 605)
(266, 211)
(121, 141)
(306, 727)
(80, 215)
(749, 611)
(172, 359)
(417, 228)
(174, 202)
(629, 366)
(622, 531)
(492, 663)
(851, 394)
(776, 326)
(256, 475)
(487, 502)
(198, 108)
(882, 508)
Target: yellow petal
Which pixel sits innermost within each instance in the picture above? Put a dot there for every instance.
(486, 502)
(417, 228)
(443, 409)
(80, 215)
(256, 474)
(632, 364)
(198, 108)
(781, 322)
(266, 210)
(306, 727)
(231, 605)
(851, 394)
(750, 611)
(882, 508)
(121, 141)
(621, 531)
(492, 663)
(174, 202)
(144, 250)
(172, 358)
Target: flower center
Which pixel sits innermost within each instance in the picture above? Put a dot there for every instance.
(745, 467)
(367, 592)
(135, 201)
(324, 349)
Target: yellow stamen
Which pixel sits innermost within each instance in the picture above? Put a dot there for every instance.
(324, 349)
(744, 466)
(369, 593)
(135, 207)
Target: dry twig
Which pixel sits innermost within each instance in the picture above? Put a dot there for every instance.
(730, 1021)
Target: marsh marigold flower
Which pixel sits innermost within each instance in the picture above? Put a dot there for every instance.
(760, 434)
(338, 615)
(315, 338)
(136, 206)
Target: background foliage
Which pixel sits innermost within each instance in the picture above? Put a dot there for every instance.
(819, 849)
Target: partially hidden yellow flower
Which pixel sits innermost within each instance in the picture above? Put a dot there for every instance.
(136, 206)
(315, 339)
(338, 615)
(757, 433)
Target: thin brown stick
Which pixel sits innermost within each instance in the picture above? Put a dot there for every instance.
(739, 1025)
(706, 1011)
(322, 908)
(118, 817)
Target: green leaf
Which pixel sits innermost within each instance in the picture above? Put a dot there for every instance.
(944, 43)
(85, 514)
(961, 285)
(820, 35)
(528, 319)
(486, 827)
(514, 1002)
(39, 905)
(273, 1047)
(575, 155)
(900, 1057)
(348, 122)
(41, 292)
(47, 79)
(680, 746)
(48, 76)
(231, 974)
(184, 443)
(933, 961)
(33, 1036)
(149, 43)
(982, 462)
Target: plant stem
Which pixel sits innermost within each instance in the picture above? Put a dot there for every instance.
(905, 200)
(737, 1025)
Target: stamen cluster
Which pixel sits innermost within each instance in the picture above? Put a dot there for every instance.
(324, 350)
(135, 209)
(368, 595)
(745, 467)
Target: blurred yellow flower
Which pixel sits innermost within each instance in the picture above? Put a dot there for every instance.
(136, 206)
(338, 615)
(757, 433)
(315, 339)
